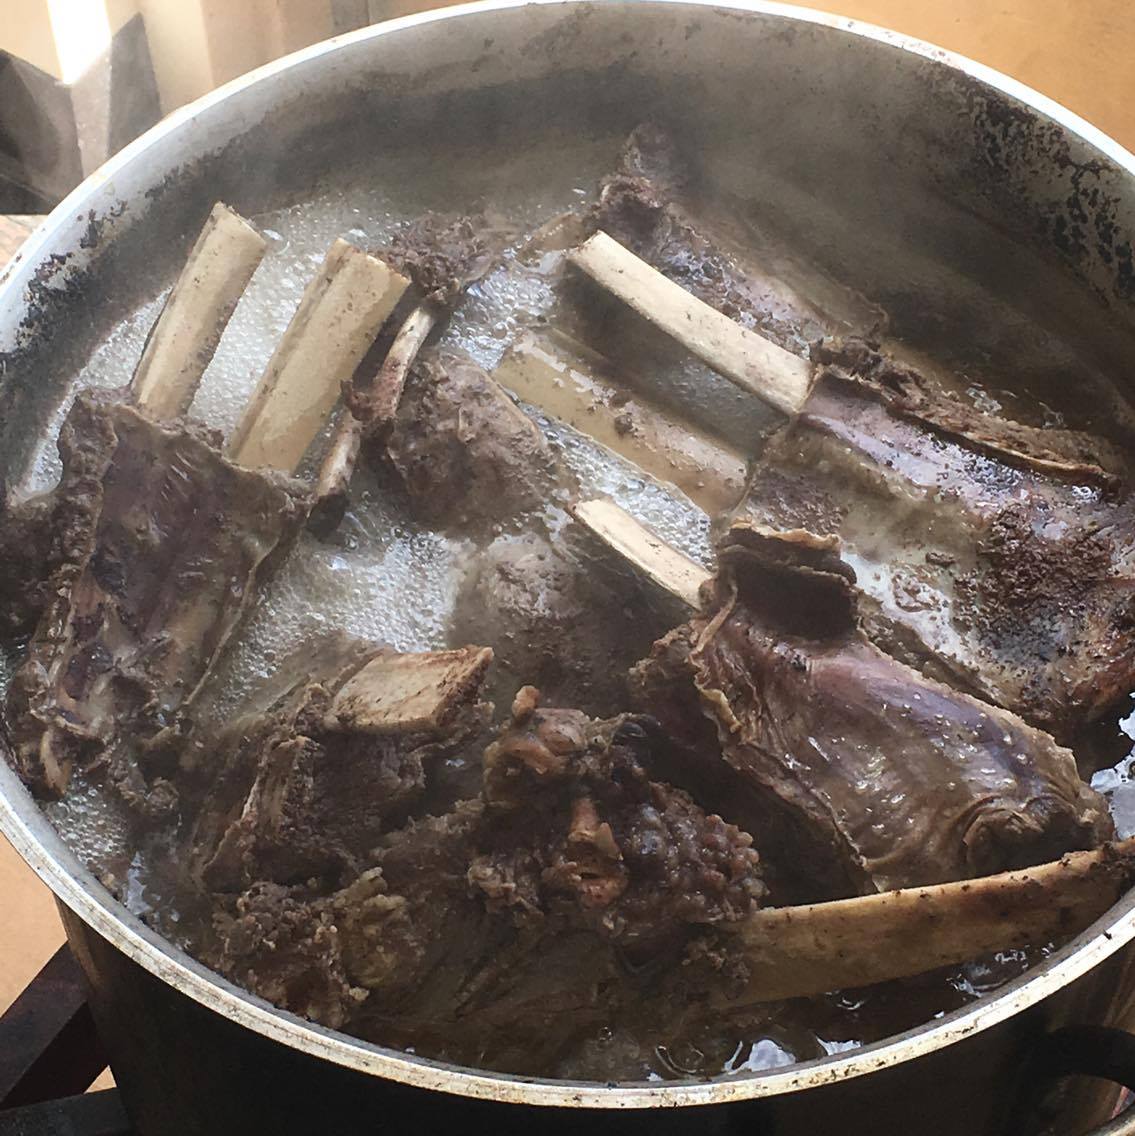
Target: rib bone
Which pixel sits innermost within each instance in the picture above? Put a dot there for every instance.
(382, 402)
(408, 693)
(797, 952)
(563, 379)
(185, 337)
(747, 359)
(387, 393)
(337, 320)
(646, 552)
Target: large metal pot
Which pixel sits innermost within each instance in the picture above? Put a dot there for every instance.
(989, 221)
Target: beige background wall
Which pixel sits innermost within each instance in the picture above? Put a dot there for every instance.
(1078, 51)
(26, 31)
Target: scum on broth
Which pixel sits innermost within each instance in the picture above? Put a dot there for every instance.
(358, 580)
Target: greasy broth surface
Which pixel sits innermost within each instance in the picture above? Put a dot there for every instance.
(359, 579)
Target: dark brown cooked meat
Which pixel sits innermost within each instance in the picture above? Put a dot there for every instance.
(162, 542)
(907, 780)
(638, 860)
(995, 556)
(913, 396)
(662, 686)
(39, 535)
(501, 933)
(555, 619)
(305, 784)
(26, 538)
(466, 454)
(285, 947)
(443, 255)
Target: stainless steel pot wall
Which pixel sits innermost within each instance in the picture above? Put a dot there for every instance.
(991, 223)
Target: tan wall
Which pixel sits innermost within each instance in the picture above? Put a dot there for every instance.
(1079, 52)
(196, 45)
(25, 30)
(119, 11)
(179, 49)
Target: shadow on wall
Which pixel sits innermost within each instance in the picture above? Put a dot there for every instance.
(53, 133)
(109, 85)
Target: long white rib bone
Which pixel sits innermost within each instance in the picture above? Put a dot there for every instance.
(185, 336)
(795, 952)
(747, 359)
(338, 319)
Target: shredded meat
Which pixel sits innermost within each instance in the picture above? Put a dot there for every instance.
(289, 951)
(501, 931)
(638, 858)
(443, 255)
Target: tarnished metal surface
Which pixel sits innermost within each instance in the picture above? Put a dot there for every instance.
(973, 209)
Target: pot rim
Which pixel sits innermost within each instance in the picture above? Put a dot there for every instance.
(37, 842)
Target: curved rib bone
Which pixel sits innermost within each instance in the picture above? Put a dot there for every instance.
(383, 400)
(796, 952)
(381, 403)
